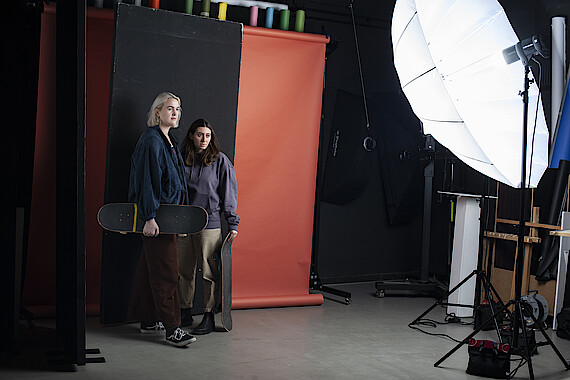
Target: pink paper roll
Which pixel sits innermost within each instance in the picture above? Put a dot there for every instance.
(253, 11)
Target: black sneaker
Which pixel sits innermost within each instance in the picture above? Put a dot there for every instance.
(152, 328)
(179, 338)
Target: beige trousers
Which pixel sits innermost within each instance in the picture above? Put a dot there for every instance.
(204, 246)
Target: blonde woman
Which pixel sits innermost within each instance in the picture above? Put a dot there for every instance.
(157, 177)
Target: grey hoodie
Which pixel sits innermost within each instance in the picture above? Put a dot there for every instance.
(214, 187)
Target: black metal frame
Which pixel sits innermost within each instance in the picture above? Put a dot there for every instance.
(70, 184)
(425, 285)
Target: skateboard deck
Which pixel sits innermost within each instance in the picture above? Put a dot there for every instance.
(171, 219)
(226, 269)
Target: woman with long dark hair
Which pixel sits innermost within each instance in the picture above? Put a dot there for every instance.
(211, 184)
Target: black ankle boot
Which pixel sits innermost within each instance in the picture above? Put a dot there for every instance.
(206, 326)
(186, 317)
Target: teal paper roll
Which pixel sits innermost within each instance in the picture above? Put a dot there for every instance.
(205, 10)
(285, 14)
(300, 21)
(269, 18)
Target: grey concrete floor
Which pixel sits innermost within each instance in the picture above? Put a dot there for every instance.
(368, 339)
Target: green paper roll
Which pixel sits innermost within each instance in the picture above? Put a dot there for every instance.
(285, 14)
(205, 10)
(300, 21)
(189, 6)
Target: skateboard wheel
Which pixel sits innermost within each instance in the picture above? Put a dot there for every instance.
(380, 293)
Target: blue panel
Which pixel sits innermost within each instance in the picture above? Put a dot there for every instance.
(561, 149)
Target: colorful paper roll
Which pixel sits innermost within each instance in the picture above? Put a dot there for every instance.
(205, 9)
(269, 17)
(285, 15)
(189, 6)
(300, 21)
(222, 11)
(155, 4)
(253, 12)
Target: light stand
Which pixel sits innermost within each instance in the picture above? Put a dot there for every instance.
(482, 282)
(521, 306)
(524, 50)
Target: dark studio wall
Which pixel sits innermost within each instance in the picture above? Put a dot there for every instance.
(354, 239)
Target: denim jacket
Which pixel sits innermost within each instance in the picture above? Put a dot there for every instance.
(157, 174)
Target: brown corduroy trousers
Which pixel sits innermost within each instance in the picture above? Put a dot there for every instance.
(155, 295)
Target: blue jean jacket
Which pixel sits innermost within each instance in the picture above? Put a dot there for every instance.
(157, 172)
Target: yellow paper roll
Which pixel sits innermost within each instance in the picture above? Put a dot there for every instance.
(222, 10)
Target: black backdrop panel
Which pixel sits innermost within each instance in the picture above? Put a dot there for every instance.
(197, 59)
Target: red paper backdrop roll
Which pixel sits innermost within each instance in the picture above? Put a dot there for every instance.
(279, 113)
(39, 289)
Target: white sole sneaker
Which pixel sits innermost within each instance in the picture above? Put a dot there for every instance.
(158, 328)
(180, 338)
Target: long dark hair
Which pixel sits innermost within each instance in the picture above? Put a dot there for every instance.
(189, 150)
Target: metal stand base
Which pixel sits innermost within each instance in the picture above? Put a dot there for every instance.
(521, 309)
(432, 287)
(64, 360)
(318, 286)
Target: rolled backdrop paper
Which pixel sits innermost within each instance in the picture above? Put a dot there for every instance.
(205, 9)
(99, 3)
(269, 17)
(300, 21)
(189, 6)
(253, 11)
(558, 71)
(154, 4)
(138, 2)
(222, 11)
(284, 17)
(272, 257)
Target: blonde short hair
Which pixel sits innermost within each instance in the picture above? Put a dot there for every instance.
(157, 104)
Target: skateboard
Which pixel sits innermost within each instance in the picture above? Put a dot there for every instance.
(226, 269)
(171, 219)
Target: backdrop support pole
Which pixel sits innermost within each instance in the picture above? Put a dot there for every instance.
(314, 280)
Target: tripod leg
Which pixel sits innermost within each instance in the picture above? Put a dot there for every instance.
(549, 341)
(466, 340)
(519, 309)
(439, 302)
(487, 286)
